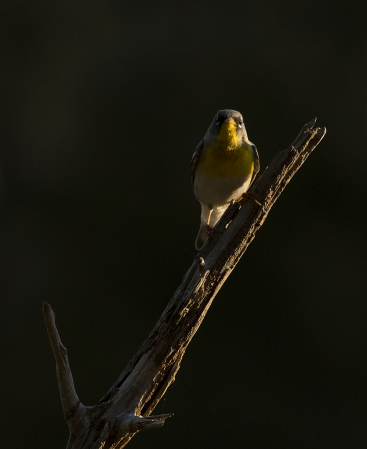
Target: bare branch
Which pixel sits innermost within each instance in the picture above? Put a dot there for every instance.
(69, 398)
(125, 408)
(133, 423)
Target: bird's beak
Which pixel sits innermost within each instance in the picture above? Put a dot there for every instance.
(230, 121)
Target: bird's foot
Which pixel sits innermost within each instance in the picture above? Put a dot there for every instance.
(210, 231)
(249, 196)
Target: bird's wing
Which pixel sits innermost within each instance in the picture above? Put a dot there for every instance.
(195, 160)
(256, 163)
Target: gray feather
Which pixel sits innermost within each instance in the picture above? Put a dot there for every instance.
(195, 160)
(256, 163)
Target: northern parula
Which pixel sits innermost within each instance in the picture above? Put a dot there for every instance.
(222, 168)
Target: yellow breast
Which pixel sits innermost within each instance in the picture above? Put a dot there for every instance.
(217, 160)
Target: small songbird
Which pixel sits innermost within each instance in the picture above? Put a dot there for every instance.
(222, 168)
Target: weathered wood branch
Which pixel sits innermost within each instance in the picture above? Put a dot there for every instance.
(126, 407)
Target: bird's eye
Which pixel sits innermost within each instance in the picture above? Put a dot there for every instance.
(240, 123)
(217, 120)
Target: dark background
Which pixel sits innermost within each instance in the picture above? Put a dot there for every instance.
(102, 105)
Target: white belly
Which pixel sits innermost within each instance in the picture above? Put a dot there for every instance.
(218, 192)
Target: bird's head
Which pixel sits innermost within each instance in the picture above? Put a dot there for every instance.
(227, 128)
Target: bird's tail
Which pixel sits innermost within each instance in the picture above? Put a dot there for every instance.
(202, 236)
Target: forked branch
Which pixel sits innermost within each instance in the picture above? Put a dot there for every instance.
(125, 408)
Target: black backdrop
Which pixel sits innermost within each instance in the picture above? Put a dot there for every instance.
(102, 105)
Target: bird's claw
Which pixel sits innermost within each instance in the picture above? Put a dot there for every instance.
(248, 195)
(210, 231)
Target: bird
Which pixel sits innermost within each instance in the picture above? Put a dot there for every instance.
(223, 166)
